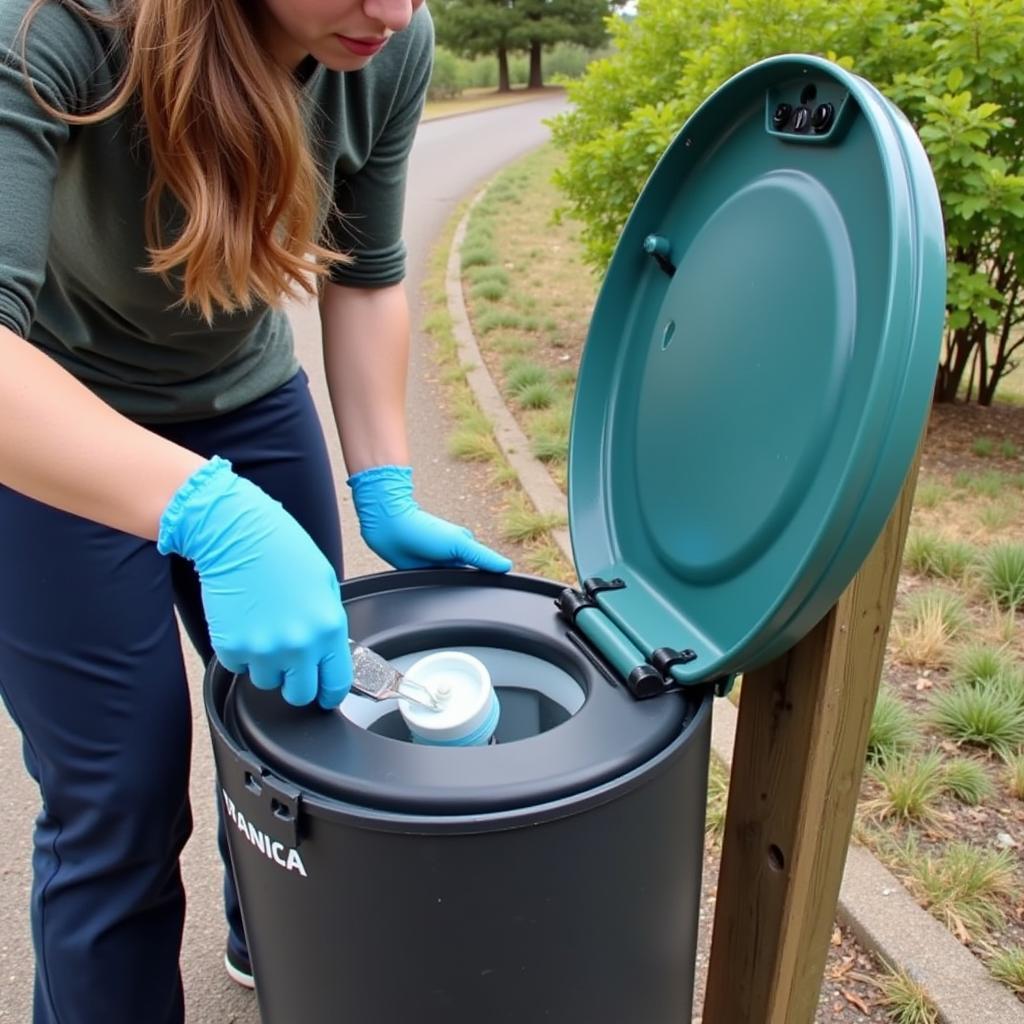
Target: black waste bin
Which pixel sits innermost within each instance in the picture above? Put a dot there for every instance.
(552, 876)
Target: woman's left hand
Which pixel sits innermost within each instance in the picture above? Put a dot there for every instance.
(401, 533)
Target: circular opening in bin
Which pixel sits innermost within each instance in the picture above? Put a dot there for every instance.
(535, 696)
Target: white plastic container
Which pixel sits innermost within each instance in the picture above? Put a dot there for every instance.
(469, 708)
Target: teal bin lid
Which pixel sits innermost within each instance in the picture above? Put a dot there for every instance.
(743, 425)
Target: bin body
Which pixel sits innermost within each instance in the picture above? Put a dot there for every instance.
(579, 908)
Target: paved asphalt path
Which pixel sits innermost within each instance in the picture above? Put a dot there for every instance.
(451, 157)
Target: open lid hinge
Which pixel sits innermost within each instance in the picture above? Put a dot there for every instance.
(644, 676)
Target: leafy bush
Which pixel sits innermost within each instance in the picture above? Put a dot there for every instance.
(446, 77)
(954, 68)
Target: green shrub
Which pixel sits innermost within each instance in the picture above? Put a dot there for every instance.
(953, 67)
(568, 60)
(445, 79)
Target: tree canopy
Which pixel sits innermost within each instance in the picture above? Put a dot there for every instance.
(473, 27)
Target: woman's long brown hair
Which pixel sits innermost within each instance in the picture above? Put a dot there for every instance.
(228, 140)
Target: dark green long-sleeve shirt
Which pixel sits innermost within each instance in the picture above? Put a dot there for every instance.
(72, 231)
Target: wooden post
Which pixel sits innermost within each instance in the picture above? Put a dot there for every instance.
(796, 773)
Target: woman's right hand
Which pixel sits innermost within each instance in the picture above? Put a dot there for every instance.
(272, 600)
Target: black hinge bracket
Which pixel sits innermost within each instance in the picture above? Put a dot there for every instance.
(655, 677)
(571, 602)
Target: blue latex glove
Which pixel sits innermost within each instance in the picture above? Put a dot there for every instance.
(398, 530)
(271, 598)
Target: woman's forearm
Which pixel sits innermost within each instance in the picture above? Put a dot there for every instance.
(366, 355)
(62, 445)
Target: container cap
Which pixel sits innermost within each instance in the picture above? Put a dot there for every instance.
(759, 366)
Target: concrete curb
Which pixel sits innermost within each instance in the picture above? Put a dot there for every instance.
(872, 902)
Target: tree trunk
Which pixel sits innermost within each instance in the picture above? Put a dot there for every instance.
(536, 74)
(504, 84)
(958, 356)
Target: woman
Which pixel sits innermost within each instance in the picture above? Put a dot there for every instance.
(169, 171)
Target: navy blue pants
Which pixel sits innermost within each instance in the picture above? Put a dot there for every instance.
(91, 671)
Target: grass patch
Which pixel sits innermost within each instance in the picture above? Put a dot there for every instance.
(984, 485)
(1000, 514)
(912, 786)
(542, 395)
(522, 522)
(892, 728)
(489, 290)
(478, 275)
(967, 780)
(718, 799)
(964, 886)
(550, 447)
(929, 620)
(1008, 450)
(989, 716)
(472, 445)
(906, 1001)
(521, 374)
(511, 344)
(1003, 574)
(478, 256)
(978, 664)
(929, 554)
(984, 447)
(930, 493)
(1007, 966)
(999, 626)
(546, 559)
(1015, 774)
(496, 319)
